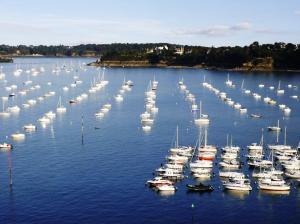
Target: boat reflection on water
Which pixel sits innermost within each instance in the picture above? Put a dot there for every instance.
(165, 193)
(237, 194)
(203, 180)
(274, 193)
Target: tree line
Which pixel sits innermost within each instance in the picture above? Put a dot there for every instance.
(281, 55)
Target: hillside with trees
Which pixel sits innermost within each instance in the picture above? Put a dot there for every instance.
(277, 56)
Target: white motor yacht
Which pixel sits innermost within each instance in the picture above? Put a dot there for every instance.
(273, 185)
(238, 185)
(29, 127)
(166, 187)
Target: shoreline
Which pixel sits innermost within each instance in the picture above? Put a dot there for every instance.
(141, 64)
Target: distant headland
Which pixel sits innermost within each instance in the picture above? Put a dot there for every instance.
(6, 59)
(254, 57)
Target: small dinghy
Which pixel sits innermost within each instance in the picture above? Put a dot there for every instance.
(255, 116)
(199, 188)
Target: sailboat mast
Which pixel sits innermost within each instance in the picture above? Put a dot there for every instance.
(205, 139)
(284, 135)
(262, 139)
(227, 136)
(200, 109)
(177, 136)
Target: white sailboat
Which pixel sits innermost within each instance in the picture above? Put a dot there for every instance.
(280, 91)
(229, 82)
(181, 150)
(203, 118)
(60, 108)
(274, 128)
(205, 147)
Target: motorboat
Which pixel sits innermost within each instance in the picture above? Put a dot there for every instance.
(238, 185)
(199, 188)
(201, 164)
(230, 174)
(175, 166)
(73, 101)
(156, 181)
(273, 185)
(230, 164)
(260, 163)
(165, 187)
(255, 116)
(29, 127)
(5, 146)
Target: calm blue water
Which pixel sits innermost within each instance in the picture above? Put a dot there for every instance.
(56, 179)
